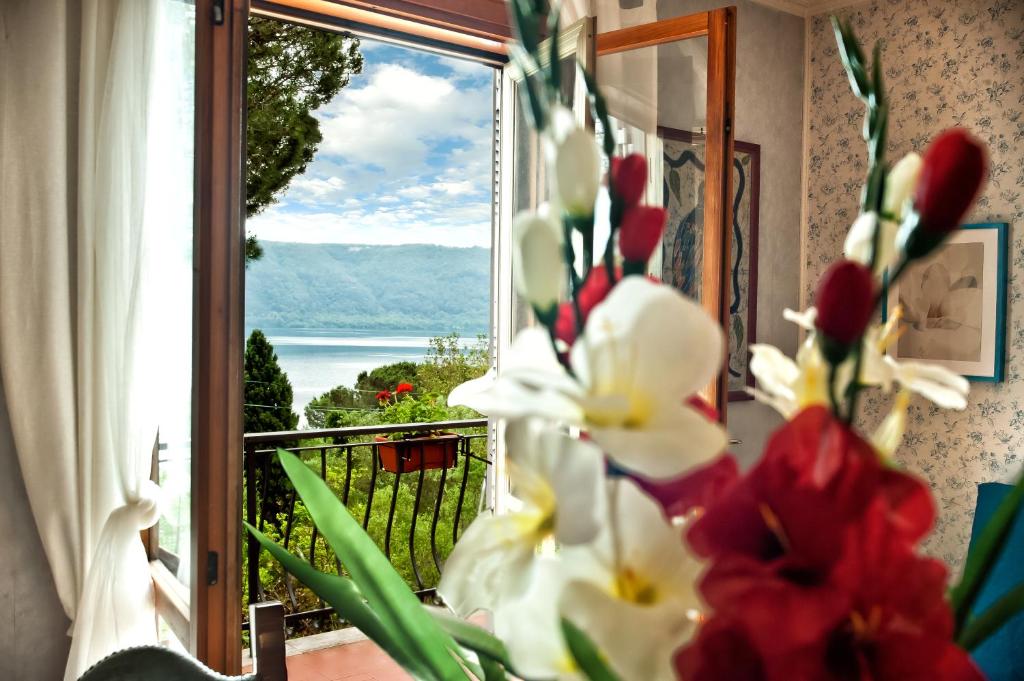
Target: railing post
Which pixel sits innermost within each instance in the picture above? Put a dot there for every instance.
(266, 641)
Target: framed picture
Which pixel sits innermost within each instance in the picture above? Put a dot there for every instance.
(954, 304)
(682, 243)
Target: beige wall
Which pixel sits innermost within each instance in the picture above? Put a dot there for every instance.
(33, 629)
(948, 62)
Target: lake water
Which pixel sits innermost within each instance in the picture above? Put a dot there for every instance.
(317, 360)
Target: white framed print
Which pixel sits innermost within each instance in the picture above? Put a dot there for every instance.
(953, 304)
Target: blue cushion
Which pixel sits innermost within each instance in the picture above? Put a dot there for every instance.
(1001, 657)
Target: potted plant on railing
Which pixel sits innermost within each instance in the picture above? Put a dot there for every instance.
(403, 451)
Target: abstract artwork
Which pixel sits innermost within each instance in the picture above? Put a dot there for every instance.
(683, 242)
(953, 304)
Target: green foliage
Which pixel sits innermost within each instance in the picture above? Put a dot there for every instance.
(386, 378)
(268, 408)
(268, 393)
(448, 364)
(292, 71)
(343, 286)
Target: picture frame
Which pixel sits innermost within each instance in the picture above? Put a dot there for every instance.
(954, 304)
(683, 197)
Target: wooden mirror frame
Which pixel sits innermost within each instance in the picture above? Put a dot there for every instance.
(719, 26)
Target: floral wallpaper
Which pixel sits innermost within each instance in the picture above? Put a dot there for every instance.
(947, 63)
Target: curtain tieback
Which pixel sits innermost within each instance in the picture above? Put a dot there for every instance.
(143, 508)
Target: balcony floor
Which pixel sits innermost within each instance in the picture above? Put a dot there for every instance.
(358, 661)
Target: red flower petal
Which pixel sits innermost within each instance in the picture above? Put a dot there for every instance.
(629, 177)
(845, 301)
(952, 173)
(640, 232)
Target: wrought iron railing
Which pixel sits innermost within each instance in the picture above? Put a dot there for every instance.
(350, 460)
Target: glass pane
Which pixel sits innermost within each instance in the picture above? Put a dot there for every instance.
(657, 98)
(172, 183)
(530, 184)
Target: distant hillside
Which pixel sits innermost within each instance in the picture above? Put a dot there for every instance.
(412, 287)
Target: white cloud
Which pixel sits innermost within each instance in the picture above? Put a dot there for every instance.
(459, 226)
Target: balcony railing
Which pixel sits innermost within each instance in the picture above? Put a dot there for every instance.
(414, 503)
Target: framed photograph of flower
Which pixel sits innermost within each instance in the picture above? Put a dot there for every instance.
(682, 243)
(953, 304)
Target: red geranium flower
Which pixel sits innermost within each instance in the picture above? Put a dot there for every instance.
(403, 388)
(384, 396)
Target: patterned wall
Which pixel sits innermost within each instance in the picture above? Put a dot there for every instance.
(948, 62)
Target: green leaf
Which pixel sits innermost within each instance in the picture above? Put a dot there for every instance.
(984, 555)
(469, 635)
(554, 66)
(526, 24)
(341, 594)
(852, 58)
(386, 592)
(992, 620)
(492, 670)
(599, 109)
(586, 654)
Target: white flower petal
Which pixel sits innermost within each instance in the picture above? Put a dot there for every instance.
(675, 440)
(805, 319)
(530, 628)
(889, 435)
(539, 267)
(940, 385)
(489, 564)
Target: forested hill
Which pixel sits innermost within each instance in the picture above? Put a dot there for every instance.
(413, 287)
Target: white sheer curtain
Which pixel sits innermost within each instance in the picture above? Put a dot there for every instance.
(77, 326)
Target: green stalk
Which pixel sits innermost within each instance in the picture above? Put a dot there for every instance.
(979, 629)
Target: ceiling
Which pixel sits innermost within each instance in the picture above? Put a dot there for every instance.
(808, 8)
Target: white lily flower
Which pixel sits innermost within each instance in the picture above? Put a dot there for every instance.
(900, 184)
(559, 481)
(889, 435)
(790, 386)
(539, 271)
(577, 172)
(531, 627)
(860, 242)
(633, 591)
(643, 351)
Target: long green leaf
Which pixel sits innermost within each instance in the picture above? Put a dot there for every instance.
(992, 620)
(984, 555)
(341, 594)
(586, 654)
(469, 635)
(600, 110)
(386, 592)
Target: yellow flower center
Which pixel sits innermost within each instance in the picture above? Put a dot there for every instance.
(635, 588)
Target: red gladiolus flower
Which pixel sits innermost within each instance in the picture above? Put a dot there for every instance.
(695, 490)
(845, 302)
(403, 388)
(952, 173)
(629, 177)
(384, 396)
(640, 232)
(813, 571)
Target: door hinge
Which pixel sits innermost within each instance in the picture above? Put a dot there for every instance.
(218, 12)
(211, 568)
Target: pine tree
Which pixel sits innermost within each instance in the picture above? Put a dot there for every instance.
(292, 71)
(268, 408)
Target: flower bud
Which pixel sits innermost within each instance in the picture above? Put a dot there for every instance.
(952, 173)
(629, 178)
(845, 303)
(577, 173)
(899, 185)
(640, 232)
(594, 290)
(538, 265)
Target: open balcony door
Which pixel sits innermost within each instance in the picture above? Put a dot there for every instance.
(666, 75)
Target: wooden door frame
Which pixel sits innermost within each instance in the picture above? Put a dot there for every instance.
(216, 618)
(719, 26)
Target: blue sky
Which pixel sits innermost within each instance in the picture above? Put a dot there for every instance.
(405, 158)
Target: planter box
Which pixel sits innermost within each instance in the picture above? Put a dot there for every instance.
(418, 453)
